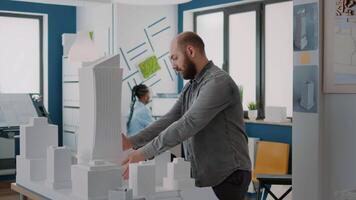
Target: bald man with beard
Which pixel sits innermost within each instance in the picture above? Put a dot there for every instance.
(207, 118)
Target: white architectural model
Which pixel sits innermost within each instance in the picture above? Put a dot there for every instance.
(121, 194)
(142, 178)
(307, 95)
(161, 162)
(100, 111)
(59, 161)
(47, 169)
(178, 175)
(99, 139)
(93, 181)
(35, 138)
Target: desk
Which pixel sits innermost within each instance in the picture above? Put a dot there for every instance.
(25, 194)
(195, 193)
(273, 180)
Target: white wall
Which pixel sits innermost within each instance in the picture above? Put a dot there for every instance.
(340, 139)
(307, 163)
(120, 26)
(97, 18)
(305, 155)
(133, 23)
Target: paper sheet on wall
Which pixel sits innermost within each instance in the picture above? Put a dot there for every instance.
(345, 38)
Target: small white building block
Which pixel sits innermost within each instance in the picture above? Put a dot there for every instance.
(178, 169)
(59, 161)
(161, 162)
(94, 180)
(142, 178)
(30, 169)
(121, 194)
(36, 137)
(178, 175)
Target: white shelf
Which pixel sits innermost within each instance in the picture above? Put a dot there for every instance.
(70, 95)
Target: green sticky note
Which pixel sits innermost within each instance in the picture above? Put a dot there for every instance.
(91, 35)
(149, 66)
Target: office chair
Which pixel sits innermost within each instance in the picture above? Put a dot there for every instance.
(271, 167)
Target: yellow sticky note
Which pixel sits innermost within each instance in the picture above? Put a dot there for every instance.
(304, 58)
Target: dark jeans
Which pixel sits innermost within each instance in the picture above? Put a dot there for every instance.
(234, 187)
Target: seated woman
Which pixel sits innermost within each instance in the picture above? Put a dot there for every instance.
(140, 116)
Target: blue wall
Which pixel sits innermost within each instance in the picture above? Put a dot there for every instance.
(61, 19)
(268, 132)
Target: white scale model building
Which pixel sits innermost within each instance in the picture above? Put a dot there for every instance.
(47, 169)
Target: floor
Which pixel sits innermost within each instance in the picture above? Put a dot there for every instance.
(6, 193)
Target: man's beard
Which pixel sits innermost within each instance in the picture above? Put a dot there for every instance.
(190, 70)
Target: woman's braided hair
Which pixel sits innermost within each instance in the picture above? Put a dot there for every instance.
(137, 91)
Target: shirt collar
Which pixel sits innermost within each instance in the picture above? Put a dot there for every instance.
(201, 74)
(139, 104)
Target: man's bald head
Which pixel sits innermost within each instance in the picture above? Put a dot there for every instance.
(188, 54)
(190, 38)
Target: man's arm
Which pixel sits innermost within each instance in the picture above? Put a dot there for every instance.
(150, 132)
(215, 96)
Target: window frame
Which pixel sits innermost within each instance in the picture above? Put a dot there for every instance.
(40, 26)
(259, 7)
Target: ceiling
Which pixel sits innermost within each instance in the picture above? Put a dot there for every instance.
(84, 2)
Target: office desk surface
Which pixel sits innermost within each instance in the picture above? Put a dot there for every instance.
(26, 193)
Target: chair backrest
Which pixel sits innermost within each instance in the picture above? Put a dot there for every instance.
(271, 158)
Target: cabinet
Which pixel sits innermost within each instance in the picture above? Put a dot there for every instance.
(70, 95)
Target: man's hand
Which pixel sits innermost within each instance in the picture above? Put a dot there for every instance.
(134, 157)
(126, 144)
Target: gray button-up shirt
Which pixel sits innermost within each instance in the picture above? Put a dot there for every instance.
(208, 118)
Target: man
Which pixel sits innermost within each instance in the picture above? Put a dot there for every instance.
(207, 118)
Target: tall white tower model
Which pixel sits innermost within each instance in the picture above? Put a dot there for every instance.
(307, 95)
(99, 139)
(301, 40)
(100, 111)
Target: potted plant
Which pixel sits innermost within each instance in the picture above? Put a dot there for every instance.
(252, 110)
(241, 91)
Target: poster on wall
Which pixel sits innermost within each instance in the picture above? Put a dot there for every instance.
(340, 46)
(305, 89)
(305, 27)
(146, 60)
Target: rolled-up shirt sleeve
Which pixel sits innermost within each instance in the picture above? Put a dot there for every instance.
(214, 96)
(150, 132)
